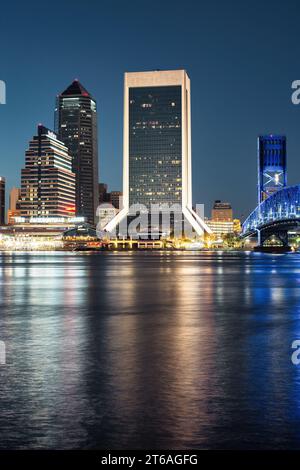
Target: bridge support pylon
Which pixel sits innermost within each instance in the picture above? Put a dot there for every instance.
(281, 235)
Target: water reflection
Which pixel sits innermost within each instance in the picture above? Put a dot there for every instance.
(144, 350)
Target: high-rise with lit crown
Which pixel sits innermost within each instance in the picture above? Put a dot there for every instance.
(76, 126)
(157, 165)
(47, 181)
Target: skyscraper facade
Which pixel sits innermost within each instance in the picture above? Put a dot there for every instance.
(47, 181)
(272, 174)
(76, 126)
(14, 197)
(104, 195)
(116, 198)
(2, 200)
(154, 144)
(157, 143)
(14, 205)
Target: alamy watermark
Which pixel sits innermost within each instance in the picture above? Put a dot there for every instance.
(157, 221)
(296, 94)
(2, 92)
(295, 358)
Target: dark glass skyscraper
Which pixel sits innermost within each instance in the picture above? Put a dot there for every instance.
(2, 200)
(76, 126)
(155, 147)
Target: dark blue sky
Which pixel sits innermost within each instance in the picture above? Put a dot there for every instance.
(241, 57)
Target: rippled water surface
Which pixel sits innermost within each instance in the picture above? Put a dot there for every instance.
(149, 350)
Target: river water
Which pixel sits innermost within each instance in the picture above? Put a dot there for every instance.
(141, 350)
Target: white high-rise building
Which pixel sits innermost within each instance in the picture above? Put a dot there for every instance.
(157, 144)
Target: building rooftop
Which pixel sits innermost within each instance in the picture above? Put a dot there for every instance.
(221, 205)
(75, 89)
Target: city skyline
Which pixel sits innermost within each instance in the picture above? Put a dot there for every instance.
(149, 218)
(232, 102)
(87, 95)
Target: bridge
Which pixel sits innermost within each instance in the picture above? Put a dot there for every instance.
(275, 216)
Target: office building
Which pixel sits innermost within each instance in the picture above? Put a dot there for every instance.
(221, 222)
(224, 227)
(116, 198)
(47, 181)
(221, 227)
(103, 193)
(157, 144)
(76, 126)
(14, 205)
(2, 200)
(14, 198)
(221, 212)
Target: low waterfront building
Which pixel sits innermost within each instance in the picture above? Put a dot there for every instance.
(83, 236)
(12, 215)
(37, 233)
(219, 227)
(222, 222)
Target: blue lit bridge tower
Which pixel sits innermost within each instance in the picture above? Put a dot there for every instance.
(272, 175)
(278, 208)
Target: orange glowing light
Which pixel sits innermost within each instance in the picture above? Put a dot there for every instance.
(71, 209)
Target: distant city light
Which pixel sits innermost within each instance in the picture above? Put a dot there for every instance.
(49, 220)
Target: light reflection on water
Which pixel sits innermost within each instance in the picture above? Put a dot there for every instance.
(149, 350)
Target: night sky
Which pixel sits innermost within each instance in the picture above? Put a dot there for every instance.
(241, 57)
